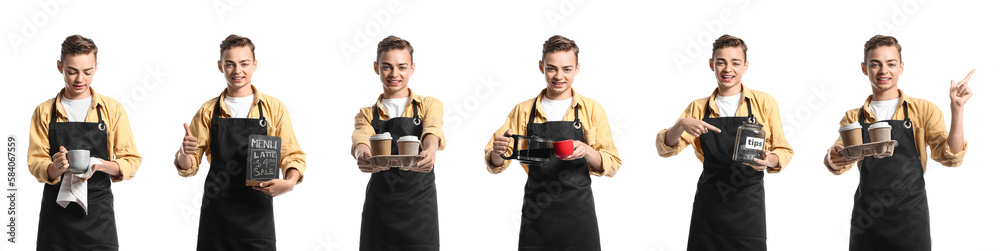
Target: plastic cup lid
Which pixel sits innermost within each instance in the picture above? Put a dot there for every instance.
(879, 125)
(384, 136)
(850, 126)
(408, 138)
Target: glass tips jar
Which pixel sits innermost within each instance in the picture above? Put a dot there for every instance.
(749, 142)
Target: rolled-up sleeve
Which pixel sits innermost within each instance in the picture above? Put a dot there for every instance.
(603, 143)
(38, 146)
(776, 139)
(362, 129)
(433, 120)
(686, 139)
(510, 123)
(126, 152)
(936, 136)
(200, 129)
(292, 155)
(847, 119)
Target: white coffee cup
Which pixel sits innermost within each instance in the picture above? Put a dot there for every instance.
(381, 144)
(79, 160)
(879, 132)
(408, 145)
(850, 134)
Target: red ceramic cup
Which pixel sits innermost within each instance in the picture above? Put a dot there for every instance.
(563, 148)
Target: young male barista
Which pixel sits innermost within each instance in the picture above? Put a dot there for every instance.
(233, 215)
(558, 211)
(890, 204)
(400, 211)
(728, 211)
(77, 210)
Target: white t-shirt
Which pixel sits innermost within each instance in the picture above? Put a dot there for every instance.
(394, 106)
(555, 110)
(728, 105)
(884, 110)
(239, 107)
(76, 110)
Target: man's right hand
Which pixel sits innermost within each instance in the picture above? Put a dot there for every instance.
(696, 127)
(838, 160)
(500, 145)
(189, 146)
(362, 152)
(59, 165)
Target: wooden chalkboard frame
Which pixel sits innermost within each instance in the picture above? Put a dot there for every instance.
(266, 149)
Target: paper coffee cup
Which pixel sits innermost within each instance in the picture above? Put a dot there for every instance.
(381, 144)
(850, 134)
(408, 145)
(879, 132)
(79, 160)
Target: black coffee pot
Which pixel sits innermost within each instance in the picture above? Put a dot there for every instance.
(537, 150)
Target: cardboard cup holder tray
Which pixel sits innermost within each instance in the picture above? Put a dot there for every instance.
(877, 149)
(404, 162)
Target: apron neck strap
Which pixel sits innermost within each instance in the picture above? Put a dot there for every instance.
(531, 116)
(906, 113)
(413, 104)
(260, 110)
(708, 107)
(55, 112)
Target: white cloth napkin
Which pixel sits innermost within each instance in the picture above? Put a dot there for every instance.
(72, 191)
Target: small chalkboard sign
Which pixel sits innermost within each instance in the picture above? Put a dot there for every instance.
(263, 158)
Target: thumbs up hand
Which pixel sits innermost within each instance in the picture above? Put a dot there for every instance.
(190, 144)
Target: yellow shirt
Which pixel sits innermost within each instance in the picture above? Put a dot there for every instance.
(431, 118)
(765, 110)
(928, 130)
(279, 124)
(596, 131)
(121, 146)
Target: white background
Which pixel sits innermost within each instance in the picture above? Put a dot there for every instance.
(643, 61)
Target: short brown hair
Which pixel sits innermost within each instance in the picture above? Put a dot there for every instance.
(393, 43)
(77, 45)
(233, 41)
(882, 40)
(729, 41)
(560, 43)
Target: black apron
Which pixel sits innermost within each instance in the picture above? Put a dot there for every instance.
(69, 228)
(558, 211)
(890, 205)
(233, 215)
(728, 211)
(400, 211)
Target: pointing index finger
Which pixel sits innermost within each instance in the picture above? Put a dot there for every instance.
(967, 77)
(711, 127)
